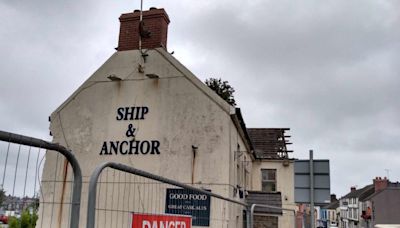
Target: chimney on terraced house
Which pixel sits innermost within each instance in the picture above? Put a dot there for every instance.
(380, 183)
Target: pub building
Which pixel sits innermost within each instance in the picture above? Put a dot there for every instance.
(143, 108)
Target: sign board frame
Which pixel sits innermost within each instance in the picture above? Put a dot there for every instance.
(321, 181)
(188, 202)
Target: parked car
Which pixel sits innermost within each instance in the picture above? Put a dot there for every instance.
(4, 219)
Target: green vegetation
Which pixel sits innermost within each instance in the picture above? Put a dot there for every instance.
(223, 89)
(27, 220)
(2, 196)
(13, 222)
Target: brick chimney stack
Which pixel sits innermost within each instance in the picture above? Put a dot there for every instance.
(153, 31)
(352, 189)
(380, 183)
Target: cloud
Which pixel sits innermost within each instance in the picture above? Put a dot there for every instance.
(328, 70)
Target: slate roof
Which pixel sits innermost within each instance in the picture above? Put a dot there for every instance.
(269, 143)
(391, 186)
(367, 193)
(332, 205)
(361, 193)
(265, 198)
(240, 124)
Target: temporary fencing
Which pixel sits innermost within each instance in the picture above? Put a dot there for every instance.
(122, 196)
(118, 195)
(22, 195)
(265, 220)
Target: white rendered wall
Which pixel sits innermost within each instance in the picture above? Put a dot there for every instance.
(182, 112)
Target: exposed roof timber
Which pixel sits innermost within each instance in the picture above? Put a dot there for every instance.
(270, 142)
(270, 128)
(272, 153)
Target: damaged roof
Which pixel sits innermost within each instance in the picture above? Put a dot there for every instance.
(270, 143)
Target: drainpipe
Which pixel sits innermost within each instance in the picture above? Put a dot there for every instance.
(194, 150)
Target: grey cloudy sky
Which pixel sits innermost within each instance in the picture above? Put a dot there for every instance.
(329, 70)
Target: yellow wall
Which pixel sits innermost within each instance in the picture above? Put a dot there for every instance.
(285, 185)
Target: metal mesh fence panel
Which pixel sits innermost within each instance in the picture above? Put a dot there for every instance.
(130, 199)
(23, 199)
(19, 181)
(277, 217)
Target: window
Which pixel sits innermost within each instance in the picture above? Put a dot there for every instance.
(238, 175)
(247, 179)
(268, 180)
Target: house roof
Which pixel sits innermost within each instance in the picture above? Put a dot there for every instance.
(269, 143)
(238, 120)
(393, 188)
(360, 192)
(367, 193)
(332, 205)
(265, 198)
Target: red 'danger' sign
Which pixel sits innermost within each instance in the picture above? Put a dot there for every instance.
(160, 221)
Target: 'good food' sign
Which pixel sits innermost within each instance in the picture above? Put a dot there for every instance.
(188, 202)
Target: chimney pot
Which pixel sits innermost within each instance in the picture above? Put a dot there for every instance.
(380, 183)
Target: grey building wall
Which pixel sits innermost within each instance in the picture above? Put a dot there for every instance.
(386, 207)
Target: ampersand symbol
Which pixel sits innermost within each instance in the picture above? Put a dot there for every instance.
(131, 131)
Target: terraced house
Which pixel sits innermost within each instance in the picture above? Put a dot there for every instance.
(374, 204)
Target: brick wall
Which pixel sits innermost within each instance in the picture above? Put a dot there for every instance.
(155, 21)
(380, 183)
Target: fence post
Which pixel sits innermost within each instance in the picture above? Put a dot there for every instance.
(248, 217)
(312, 189)
(91, 212)
(253, 206)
